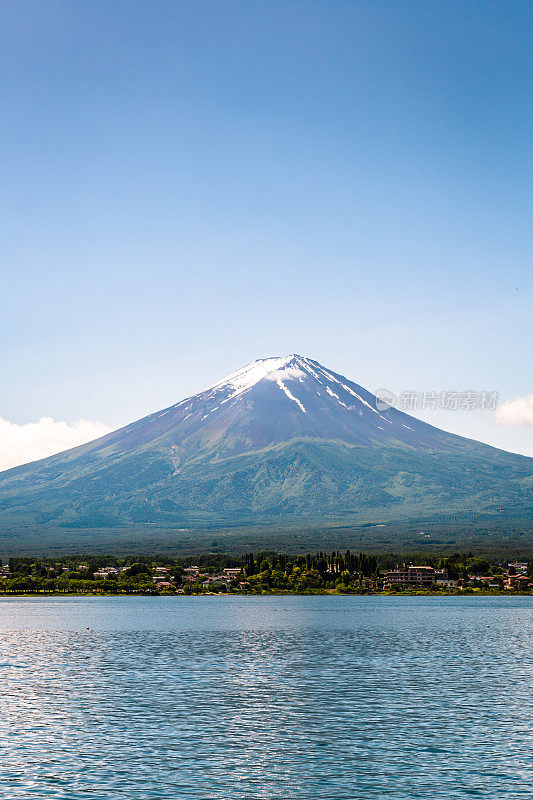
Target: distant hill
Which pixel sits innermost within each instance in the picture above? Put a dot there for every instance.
(284, 441)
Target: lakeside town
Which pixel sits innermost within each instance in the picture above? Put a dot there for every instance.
(266, 573)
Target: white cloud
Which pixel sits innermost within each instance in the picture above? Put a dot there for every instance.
(285, 373)
(518, 411)
(20, 444)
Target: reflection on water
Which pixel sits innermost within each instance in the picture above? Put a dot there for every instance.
(286, 697)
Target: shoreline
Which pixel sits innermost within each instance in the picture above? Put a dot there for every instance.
(471, 593)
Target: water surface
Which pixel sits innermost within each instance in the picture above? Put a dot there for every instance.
(266, 697)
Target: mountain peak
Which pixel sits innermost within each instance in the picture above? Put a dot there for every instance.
(275, 368)
(309, 380)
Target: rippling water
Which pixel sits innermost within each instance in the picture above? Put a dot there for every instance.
(267, 697)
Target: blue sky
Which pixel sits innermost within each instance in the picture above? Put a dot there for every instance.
(187, 186)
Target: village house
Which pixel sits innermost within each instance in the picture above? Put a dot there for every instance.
(162, 571)
(489, 580)
(232, 572)
(414, 576)
(517, 582)
(216, 580)
(442, 578)
(162, 577)
(104, 572)
(519, 567)
(191, 572)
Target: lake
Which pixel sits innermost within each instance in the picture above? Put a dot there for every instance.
(266, 697)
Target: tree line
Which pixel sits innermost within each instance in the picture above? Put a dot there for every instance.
(259, 572)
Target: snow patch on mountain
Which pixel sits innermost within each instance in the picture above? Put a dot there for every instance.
(351, 391)
(242, 380)
(336, 396)
(290, 395)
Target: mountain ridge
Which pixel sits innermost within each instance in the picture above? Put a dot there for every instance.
(281, 438)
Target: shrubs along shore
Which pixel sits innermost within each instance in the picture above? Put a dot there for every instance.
(267, 573)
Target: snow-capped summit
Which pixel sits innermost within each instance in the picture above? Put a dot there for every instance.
(281, 437)
(248, 376)
(280, 388)
(282, 370)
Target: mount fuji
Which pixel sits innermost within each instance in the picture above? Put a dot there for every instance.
(281, 439)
